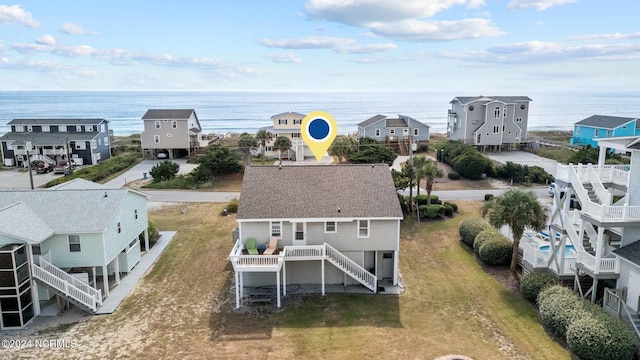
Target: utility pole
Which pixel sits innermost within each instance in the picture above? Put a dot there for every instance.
(66, 145)
(27, 146)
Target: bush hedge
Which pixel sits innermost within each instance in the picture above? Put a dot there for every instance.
(431, 211)
(469, 228)
(435, 200)
(558, 307)
(232, 206)
(534, 282)
(453, 175)
(496, 251)
(421, 199)
(448, 210)
(153, 233)
(453, 205)
(483, 236)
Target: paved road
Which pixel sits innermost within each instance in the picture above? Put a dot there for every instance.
(476, 194)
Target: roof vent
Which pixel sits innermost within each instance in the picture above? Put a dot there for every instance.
(338, 208)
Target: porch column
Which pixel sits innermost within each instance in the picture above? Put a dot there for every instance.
(599, 248)
(241, 284)
(322, 270)
(35, 299)
(395, 267)
(237, 290)
(116, 263)
(105, 281)
(146, 239)
(284, 278)
(278, 287)
(594, 289)
(602, 155)
(93, 273)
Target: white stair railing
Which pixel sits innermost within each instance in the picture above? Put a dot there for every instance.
(592, 234)
(351, 268)
(601, 192)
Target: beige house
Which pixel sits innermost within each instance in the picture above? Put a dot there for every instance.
(287, 124)
(170, 133)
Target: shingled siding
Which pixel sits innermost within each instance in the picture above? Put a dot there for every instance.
(383, 235)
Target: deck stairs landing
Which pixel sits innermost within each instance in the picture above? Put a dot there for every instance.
(351, 268)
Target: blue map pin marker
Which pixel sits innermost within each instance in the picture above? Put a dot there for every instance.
(318, 131)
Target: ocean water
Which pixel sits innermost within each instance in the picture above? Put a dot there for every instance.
(224, 112)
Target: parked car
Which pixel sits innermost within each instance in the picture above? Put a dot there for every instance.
(62, 167)
(552, 189)
(42, 167)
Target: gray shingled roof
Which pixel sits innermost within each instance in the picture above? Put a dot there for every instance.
(605, 122)
(161, 114)
(287, 113)
(45, 138)
(294, 192)
(630, 252)
(74, 208)
(56, 121)
(396, 123)
(372, 120)
(505, 99)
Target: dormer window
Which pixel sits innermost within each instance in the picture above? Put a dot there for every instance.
(496, 112)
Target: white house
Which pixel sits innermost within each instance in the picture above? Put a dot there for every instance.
(333, 225)
(73, 241)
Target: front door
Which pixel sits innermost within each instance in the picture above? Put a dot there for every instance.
(299, 234)
(633, 291)
(387, 265)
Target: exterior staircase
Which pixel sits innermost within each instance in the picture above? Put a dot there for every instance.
(66, 285)
(586, 244)
(591, 193)
(351, 268)
(44, 158)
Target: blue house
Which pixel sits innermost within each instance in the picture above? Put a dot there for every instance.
(384, 128)
(585, 132)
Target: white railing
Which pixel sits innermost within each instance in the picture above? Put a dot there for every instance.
(351, 268)
(312, 251)
(601, 192)
(45, 264)
(543, 259)
(609, 265)
(618, 307)
(592, 234)
(237, 248)
(257, 260)
(66, 288)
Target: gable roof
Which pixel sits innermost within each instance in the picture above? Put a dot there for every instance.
(604, 121)
(630, 252)
(288, 113)
(56, 121)
(318, 191)
(400, 121)
(372, 120)
(175, 114)
(76, 208)
(505, 99)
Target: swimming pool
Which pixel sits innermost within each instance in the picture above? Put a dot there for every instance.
(568, 249)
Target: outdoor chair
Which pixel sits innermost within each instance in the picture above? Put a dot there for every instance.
(272, 246)
(251, 246)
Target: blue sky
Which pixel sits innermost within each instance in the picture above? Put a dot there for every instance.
(464, 46)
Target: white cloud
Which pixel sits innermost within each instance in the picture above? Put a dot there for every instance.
(362, 12)
(74, 29)
(366, 49)
(46, 40)
(614, 36)
(539, 5)
(14, 14)
(283, 58)
(311, 42)
(417, 30)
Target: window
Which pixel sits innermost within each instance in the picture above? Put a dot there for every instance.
(504, 112)
(595, 133)
(522, 107)
(282, 121)
(106, 140)
(88, 128)
(135, 214)
(102, 128)
(330, 227)
(46, 128)
(99, 141)
(496, 112)
(169, 134)
(80, 145)
(158, 125)
(609, 133)
(415, 132)
(268, 148)
(98, 156)
(36, 250)
(74, 243)
(119, 227)
(377, 132)
(156, 138)
(62, 128)
(297, 121)
(29, 128)
(295, 135)
(577, 129)
(518, 119)
(276, 229)
(504, 128)
(471, 107)
(19, 128)
(405, 132)
(132, 243)
(392, 131)
(363, 228)
(496, 129)
(174, 124)
(94, 144)
(78, 128)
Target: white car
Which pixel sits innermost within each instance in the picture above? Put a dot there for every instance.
(552, 189)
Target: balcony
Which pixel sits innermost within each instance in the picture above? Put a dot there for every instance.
(544, 259)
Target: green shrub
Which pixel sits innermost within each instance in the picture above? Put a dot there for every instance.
(558, 307)
(153, 233)
(470, 228)
(187, 181)
(435, 200)
(431, 211)
(600, 336)
(483, 236)
(471, 165)
(232, 206)
(453, 175)
(488, 197)
(448, 210)
(101, 170)
(421, 199)
(496, 251)
(453, 205)
(164, 170)
(534, 282)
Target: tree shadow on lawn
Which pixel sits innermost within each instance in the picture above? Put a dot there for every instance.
(257, 321)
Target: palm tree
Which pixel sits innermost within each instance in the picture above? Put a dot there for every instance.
(282, 143)
(418, 163)
(263, 136)
(245, 144)
(430, 171)
(342, 147)
(518, 209)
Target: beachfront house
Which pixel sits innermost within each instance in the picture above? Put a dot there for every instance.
(73, 241)
(85, 141)
(316, 226)
(594, 234)
(170, 133)
(589, 130)
(288, 125)
(488, 121)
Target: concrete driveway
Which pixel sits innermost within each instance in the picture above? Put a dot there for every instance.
(137, 172)
(524, 158)
(12, 178)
